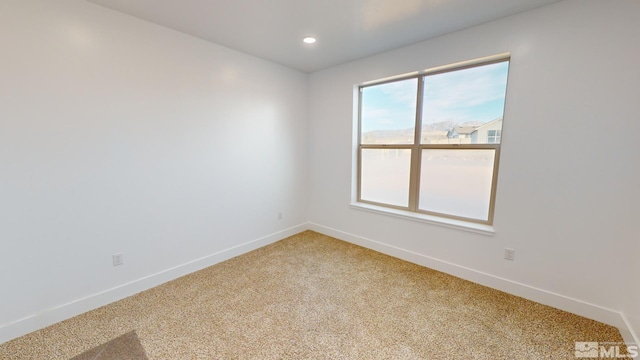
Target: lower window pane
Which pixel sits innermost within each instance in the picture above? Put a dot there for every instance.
(457, 182)
(384, 176)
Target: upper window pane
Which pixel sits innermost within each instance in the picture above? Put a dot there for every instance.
(464, 106)
(388, 113)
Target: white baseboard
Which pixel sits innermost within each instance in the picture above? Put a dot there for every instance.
(628, 333)
(62, 312)
(575, 306)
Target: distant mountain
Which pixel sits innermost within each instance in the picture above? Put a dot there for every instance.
(439, 126)
(448, 125)
(435, 133)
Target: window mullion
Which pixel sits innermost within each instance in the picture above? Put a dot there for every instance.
(415, 151)
(494, 184)
(359, 155)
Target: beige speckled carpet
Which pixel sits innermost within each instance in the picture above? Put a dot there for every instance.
(314, 297)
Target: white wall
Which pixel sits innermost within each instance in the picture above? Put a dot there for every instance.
(117, 135)
(568, 208)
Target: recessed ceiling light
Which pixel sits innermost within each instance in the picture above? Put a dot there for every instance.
(309, 40)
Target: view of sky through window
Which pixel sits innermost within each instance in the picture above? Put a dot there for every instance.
(390, 106)
(470, 95)
(455, 104)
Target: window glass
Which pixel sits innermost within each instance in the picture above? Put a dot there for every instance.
(388, 113)
(462, 106)
(457, 182)
(385, 176)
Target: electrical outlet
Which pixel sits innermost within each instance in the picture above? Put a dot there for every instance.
(280, 216)
(117, 259)
(509, 254)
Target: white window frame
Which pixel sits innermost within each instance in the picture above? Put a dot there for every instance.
(412, 210)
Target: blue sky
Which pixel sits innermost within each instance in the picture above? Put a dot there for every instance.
(475, 94)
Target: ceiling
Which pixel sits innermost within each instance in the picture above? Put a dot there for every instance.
(346, 29)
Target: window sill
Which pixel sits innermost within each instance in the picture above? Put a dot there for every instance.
(482, 229)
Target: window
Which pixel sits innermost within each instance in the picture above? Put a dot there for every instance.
(430, 143)
(494, 136)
